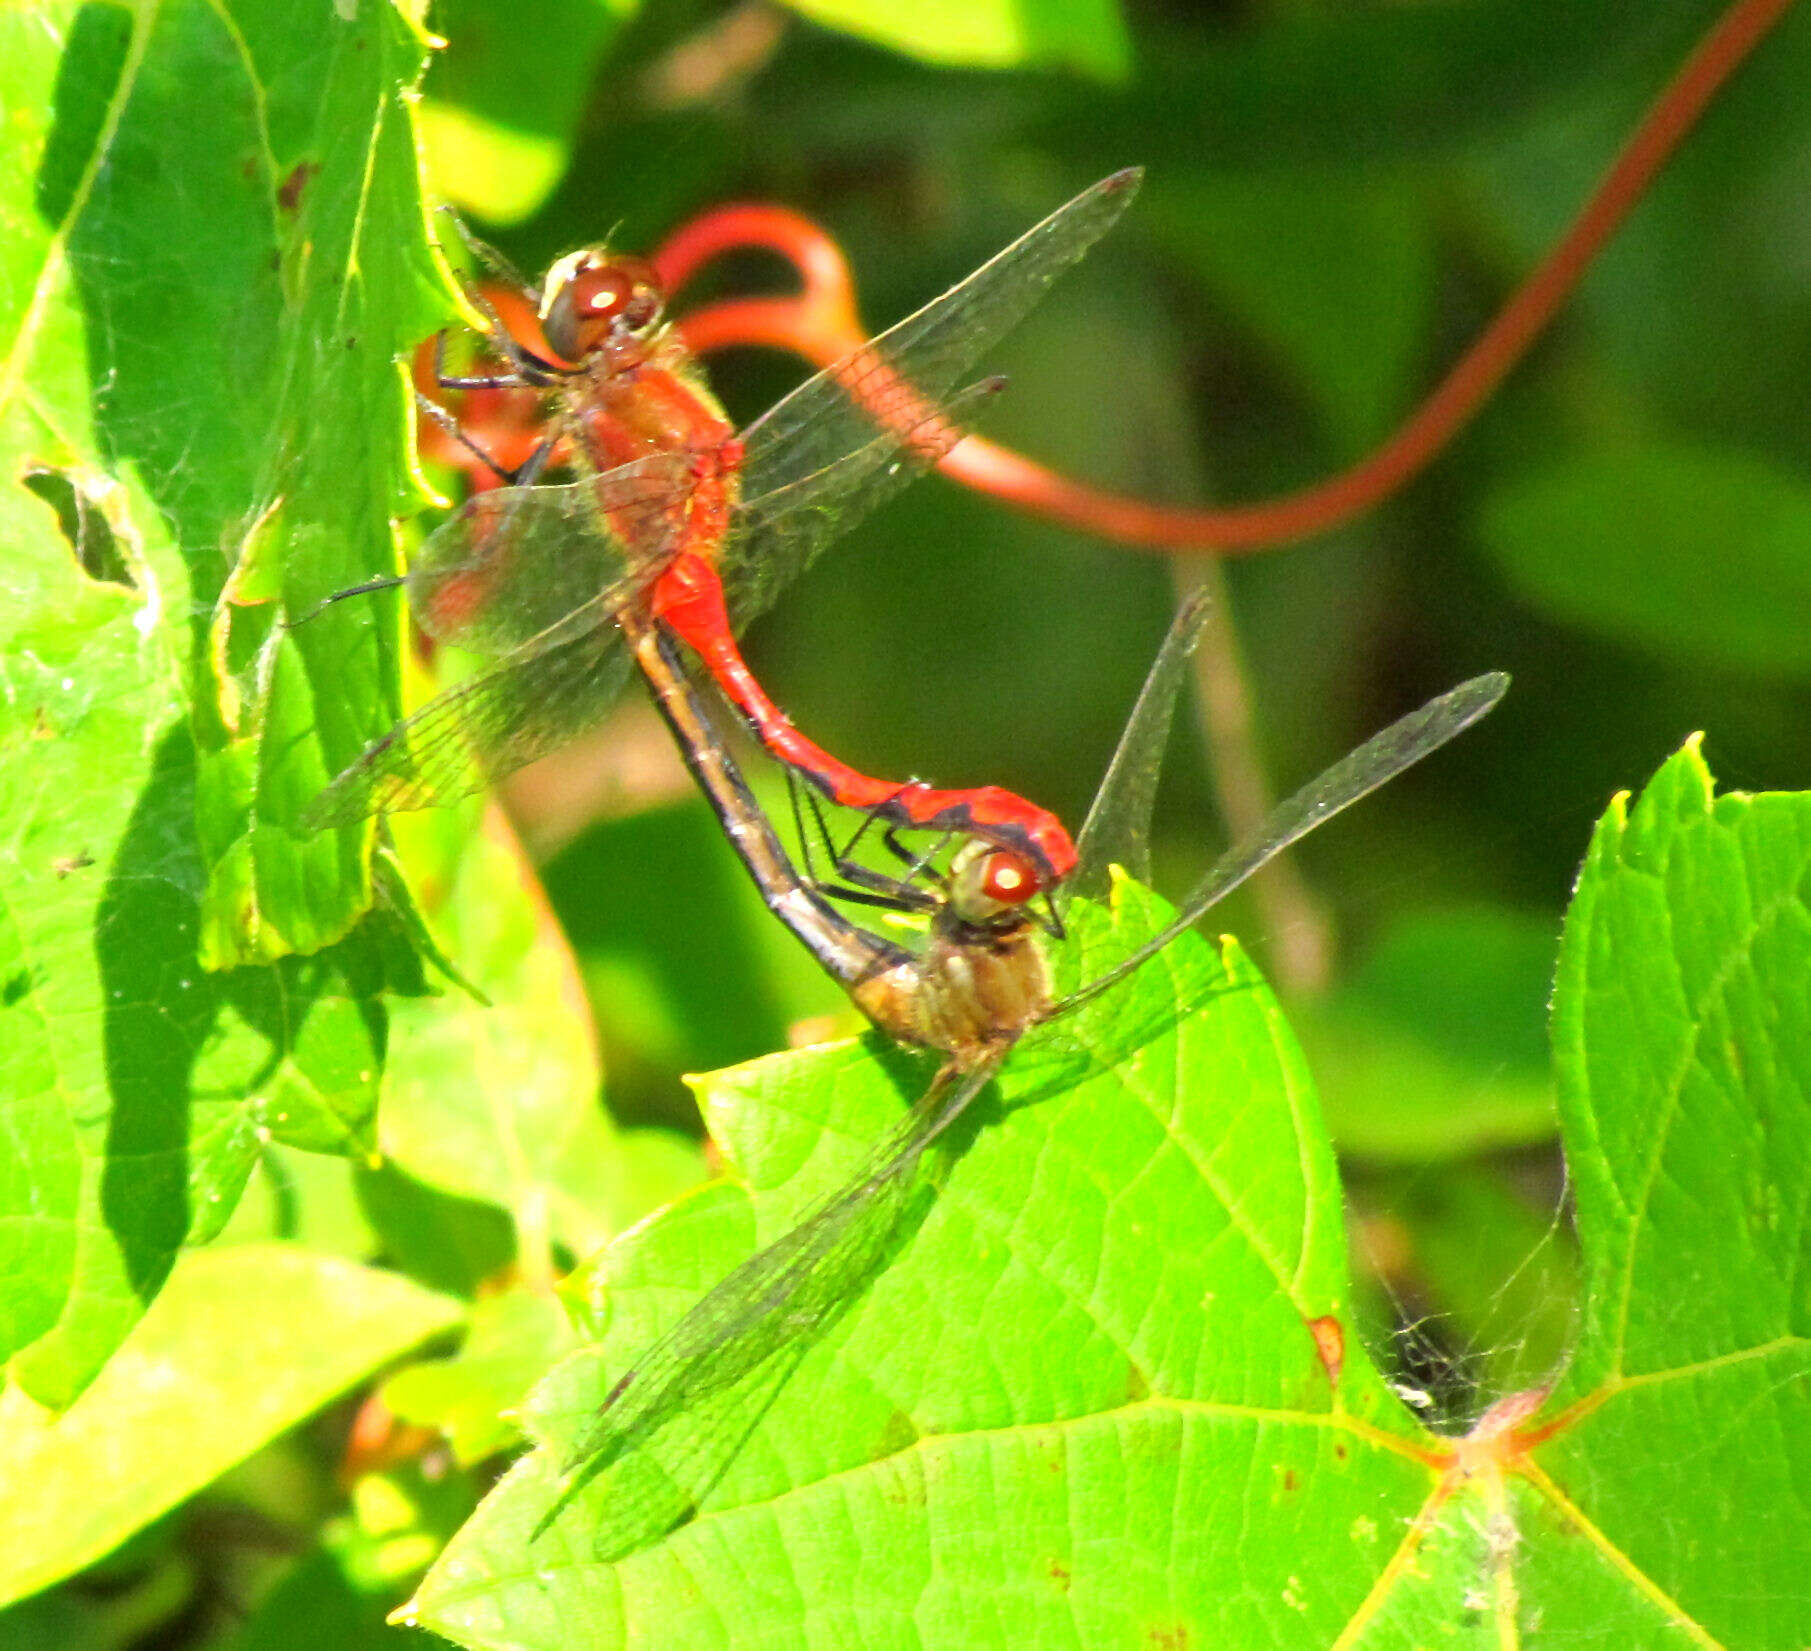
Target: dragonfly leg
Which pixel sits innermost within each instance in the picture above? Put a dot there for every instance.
(916, 864)
(524, 473)
(476, 381)
(489, 256)
(860, 884)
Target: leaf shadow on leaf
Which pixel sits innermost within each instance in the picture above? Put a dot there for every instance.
(198, 1069)
(163, 1012)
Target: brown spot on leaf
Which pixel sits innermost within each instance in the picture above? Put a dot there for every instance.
(289, 191)
(1330, 1344)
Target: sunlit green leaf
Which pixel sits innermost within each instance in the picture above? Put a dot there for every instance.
(1103, 1321)
(1085, 35)
(200, 318)
(1087, 1388)
(199, 1385)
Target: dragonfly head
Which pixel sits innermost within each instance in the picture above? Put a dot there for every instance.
(597, 304)
(989, 888)
(982, 980)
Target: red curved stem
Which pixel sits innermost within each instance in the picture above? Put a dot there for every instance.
(821, 324)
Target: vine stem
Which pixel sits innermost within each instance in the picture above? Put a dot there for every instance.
(821, 324)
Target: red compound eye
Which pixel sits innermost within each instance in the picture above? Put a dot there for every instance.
(1009, 879)
(598, 291)
(598, 299)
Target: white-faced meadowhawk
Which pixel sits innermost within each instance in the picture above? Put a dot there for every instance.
(674, 516)
(671, 1424)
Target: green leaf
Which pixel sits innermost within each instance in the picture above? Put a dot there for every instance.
(1436, 1047)
(200, 320)
(1122, 1329)
(514, 1338)
(307, 1199)
(501, 1101)
(1696, 552)
(1084, 35)
(1103, 1318)
(200, 1384)
(1682, 1034)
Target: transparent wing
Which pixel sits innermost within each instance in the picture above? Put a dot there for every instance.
(1380, 759)
(1118, 828)
(780, 533)
(534, 577)
(893, 383)
(485, 727)
(673, 1424)
(510, 564)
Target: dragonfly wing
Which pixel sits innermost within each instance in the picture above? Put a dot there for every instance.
(672, 1426)
(885, 394)
(926, 353)
(1356, 775)
(649, 1490)
(778, 534)
(1118, 828)
(531, 703)
(513, 562)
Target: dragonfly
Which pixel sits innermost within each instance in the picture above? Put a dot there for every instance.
(675, 517)
(669, 1426)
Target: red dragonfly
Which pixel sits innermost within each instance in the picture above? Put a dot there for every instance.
(669, 1427)
(675, 517)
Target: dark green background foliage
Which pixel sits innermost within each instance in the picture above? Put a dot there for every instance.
(260, 1161)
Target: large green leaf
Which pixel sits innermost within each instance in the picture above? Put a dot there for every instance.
(1105, 1319)
(1682, 1036)
(1106, 1387)
(201, 1383)
(201, 319)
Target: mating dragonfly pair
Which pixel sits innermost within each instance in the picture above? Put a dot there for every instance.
(675, 532)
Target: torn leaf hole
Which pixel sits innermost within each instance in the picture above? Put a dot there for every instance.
(83, 523)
